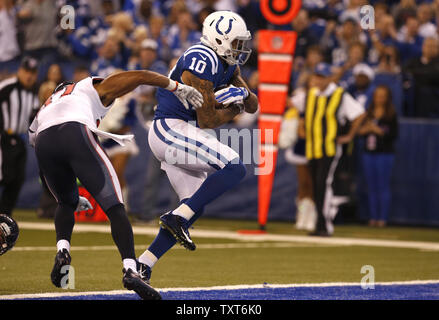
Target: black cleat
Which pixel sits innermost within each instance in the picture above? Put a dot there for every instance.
(144, 271)
(132, 281)
(62, 259)
(177, 226)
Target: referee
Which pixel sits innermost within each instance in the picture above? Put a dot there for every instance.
(325, 109)
(18, 104)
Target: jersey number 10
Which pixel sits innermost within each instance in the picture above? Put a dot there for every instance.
(197, 65)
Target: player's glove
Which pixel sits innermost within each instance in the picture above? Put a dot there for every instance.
(186, 94)
(83, 204)
(231, 94)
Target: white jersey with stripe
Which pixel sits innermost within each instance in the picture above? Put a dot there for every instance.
(78, 102)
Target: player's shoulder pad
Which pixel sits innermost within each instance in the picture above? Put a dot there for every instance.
(202, 53)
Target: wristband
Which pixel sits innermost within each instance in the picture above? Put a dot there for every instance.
(172, 86)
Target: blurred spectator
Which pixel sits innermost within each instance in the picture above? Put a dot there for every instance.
(108, 7)
(122, 22)
(109, 59)
(86, 38)
(427, 28)
(401, 11)
(303, 69)
(139, 34)
(225, 5)
(290, 139)
(251, 13)
(140, 10)
(80, 73)
(381, 10)
(158, 31)
(388, 72)
(38, 20)
(409, 41)
(380, 130)
(352, 10)
(201, 16)
(337, 40)
(54, 74)
(178, 7)
(19, 102)
(362, 88)
(183, 34)
(384, 35)
(9, 49)
(424, 76)
(343, 73)
(148, 58)
(305, 35)
(389, 61)
(45, 91)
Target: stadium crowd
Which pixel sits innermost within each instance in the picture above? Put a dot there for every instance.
(400, 53)
(401, 50)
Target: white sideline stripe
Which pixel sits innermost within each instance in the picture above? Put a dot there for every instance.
(229, 287)
(199, 246)
(268, 147)
(275, 57)
(273, 87)
(232, 235)
(270, 117)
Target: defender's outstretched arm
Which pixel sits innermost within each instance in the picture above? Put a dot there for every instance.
(121, 83)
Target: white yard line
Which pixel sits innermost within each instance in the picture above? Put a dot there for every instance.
(231, 287)
(231, 235)
(255, 245)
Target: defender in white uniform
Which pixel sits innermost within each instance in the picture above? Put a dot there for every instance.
(64, 134)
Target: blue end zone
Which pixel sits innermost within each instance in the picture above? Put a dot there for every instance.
(381, 292)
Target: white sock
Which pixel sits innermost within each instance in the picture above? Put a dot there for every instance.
(148, 258)
(130, 264)
(184, 211)
(63, 244)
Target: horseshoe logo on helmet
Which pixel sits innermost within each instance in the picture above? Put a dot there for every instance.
(229, 28)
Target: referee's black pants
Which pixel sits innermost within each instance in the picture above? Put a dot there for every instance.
(13, 155)
(323, 171)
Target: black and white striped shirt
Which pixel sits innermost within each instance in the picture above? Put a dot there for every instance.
(17, 106)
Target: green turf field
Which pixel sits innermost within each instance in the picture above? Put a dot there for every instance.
(221, 260)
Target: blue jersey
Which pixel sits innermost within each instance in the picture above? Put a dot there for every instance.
(204, 63)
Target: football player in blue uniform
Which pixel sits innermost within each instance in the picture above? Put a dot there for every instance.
(199, 167)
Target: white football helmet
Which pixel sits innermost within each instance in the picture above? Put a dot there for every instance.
(226, 33)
